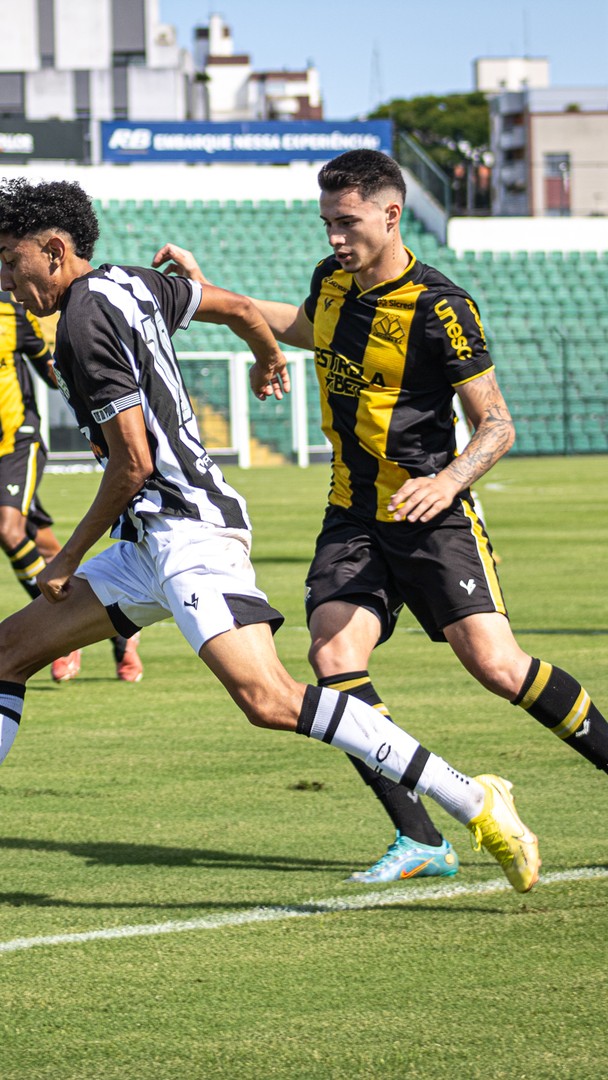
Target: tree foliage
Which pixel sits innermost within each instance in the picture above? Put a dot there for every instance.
(450, 127)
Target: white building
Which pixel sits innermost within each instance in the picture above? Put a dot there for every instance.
(550, 149)
(226, 88)
(114, 59)
(498, 74)
(90, 59)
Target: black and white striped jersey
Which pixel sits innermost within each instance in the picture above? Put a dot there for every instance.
(114, 351)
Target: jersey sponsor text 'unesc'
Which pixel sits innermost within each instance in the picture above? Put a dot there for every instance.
(453, 329)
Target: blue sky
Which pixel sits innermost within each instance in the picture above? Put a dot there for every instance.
(402, 49)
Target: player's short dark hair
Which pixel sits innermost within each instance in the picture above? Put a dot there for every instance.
(366, 171)
(27, 209)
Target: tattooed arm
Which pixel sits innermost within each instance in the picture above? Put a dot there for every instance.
(422, 498)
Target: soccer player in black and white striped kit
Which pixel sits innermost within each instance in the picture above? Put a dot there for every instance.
(182, 533)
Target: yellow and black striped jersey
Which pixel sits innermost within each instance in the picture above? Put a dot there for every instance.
(20, 335)
(388, 359)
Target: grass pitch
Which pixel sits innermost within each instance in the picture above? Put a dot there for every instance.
(157, 806)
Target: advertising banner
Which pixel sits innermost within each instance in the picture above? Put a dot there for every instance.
(30, 140)
(271, 142)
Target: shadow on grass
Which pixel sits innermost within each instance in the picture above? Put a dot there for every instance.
(118, 854)
(44, 900)
(528, 904)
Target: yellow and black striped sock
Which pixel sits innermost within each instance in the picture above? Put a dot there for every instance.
(404, 807)
(27, 562)
(560, 703)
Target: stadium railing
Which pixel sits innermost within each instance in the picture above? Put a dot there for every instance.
(556, 395)
(235, 426)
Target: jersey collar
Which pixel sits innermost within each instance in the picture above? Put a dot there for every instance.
(383, 287)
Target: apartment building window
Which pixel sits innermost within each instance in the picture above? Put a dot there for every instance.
(46, 33)
(12, 100)
(82, 94)
(121, 93)
(556, 173)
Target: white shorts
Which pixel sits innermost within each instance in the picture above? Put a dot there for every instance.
(199, 574)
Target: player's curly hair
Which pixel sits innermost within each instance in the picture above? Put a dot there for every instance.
(27, 209)
(365, 171)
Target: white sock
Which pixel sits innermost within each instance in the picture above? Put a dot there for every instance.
(360, 730)
(8, 732)
(455, 792)
(11, 707)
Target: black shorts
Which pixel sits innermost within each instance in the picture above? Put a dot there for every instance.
(37, 518)
(442, 570)
(20, 474)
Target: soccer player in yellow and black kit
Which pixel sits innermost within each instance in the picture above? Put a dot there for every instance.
(25, 527)
(393, 340)
(22, 451)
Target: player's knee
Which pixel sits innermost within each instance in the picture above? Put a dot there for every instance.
(262, 714)
(274, 706)
(312, 655)
(11, 535)
(325, 658)
(260, 719)
(502, 675)
(9, 667)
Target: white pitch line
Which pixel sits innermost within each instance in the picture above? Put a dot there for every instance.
(410, 894)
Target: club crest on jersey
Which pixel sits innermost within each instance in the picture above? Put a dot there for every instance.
(390, 329)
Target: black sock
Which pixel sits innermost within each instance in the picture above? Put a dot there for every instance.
(119, 644)
(27, 562)
(559, 702)
(404, 807)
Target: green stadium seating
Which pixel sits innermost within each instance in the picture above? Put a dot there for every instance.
(544, 312)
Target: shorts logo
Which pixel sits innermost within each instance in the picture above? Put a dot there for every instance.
(328, 301)
(468, 586)
(13, 489)
(193, 602)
